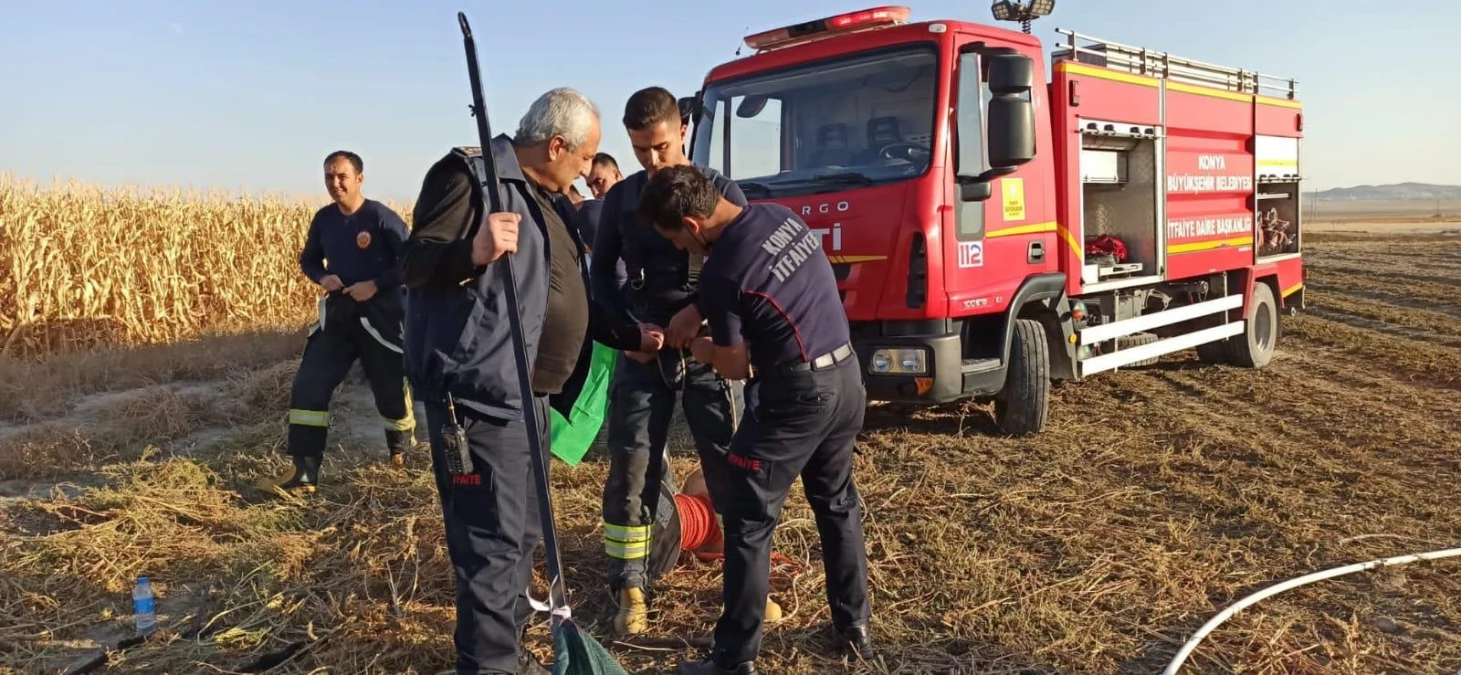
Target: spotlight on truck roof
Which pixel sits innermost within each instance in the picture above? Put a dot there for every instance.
(1023, 12)
(877, 17)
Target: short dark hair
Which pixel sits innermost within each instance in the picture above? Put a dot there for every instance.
(676, 192)
(650, 106)
(355, 160)
(605, 159)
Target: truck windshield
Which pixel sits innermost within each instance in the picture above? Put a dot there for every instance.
(848, 121)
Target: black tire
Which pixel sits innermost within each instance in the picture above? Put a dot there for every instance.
(1253, 348)
(1137, 340)
(1024, 404)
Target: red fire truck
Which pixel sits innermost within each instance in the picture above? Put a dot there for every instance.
(990, 234)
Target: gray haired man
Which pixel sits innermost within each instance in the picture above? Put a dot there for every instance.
(459, 355)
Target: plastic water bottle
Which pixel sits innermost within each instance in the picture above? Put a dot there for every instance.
(143, 608)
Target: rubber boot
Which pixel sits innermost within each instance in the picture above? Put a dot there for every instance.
(709, 667)
(856, 642)
(399, 442)
(304, 480)
(773, 611)
(633, 616)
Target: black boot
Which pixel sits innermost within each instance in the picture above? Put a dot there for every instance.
(709, 667)
(856, 641)
(305, 478)
(527, 664)
(399, 443)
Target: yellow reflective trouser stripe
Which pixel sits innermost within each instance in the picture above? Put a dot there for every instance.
(626, 542)
(309, 418)
(408, 422)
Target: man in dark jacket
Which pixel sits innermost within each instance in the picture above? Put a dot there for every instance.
(459, 354)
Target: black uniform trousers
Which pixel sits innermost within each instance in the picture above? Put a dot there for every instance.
(350, 330)
(802, 424)
(641, 405)
(492, 528)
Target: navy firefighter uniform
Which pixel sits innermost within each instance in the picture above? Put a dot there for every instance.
(661, 281)
(362, 246)
(459, 357)
(770, 298)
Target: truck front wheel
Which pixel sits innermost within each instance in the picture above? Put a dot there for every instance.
(1022, 406)
(1253, 348)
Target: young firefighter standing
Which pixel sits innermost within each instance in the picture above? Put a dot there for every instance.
(771, 301)
(360, 318)
(661, 286)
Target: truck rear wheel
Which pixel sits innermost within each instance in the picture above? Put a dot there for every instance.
(1253, 348)
(1023, 405)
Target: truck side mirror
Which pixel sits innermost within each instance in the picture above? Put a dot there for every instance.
(1011, 111)
(688, 109)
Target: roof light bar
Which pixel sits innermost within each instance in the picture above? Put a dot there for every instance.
(876, 17)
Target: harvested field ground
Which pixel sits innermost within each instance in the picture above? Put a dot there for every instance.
(1158, 497)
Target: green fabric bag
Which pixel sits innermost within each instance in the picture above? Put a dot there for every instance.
(573, 437)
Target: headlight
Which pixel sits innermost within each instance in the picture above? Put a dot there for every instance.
(899, 362)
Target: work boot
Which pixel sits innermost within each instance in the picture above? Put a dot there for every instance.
(773, 611)
(399, 443)
(856, 641)
(633, 616)
(304, 480)
(527, 664)
(709, 667)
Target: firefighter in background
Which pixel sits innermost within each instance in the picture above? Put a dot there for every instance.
(360, 317)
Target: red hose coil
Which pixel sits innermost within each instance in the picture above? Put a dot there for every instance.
(697, 521)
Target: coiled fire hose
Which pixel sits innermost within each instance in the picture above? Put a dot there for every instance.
(1213, 623)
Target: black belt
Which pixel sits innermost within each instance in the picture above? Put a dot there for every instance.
(823, 362)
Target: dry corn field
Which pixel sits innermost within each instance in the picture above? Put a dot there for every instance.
(1159, 497)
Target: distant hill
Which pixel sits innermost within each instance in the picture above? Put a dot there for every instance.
(1393, 192)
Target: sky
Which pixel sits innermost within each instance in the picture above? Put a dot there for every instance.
(252, 95)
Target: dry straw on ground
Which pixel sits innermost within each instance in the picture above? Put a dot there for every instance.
(1159, 496)
(83, 267)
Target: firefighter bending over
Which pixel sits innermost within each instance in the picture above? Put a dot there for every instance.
(360, 318)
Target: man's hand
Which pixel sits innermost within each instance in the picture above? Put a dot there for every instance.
(361, 291)
(640, 357)
(497, 236)
(684, 327)
(703, 350)
(650, 340)
(331, 283)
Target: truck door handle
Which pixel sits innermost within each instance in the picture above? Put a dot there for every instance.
(1036, 252)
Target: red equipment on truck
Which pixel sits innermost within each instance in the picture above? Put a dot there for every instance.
(990, 234)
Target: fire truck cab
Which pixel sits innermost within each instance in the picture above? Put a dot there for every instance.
(992, 230)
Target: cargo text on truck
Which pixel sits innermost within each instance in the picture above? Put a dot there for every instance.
(991, 234)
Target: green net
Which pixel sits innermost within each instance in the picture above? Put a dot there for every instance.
(575, 653)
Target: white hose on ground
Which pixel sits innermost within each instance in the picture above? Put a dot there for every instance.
(1294, 583)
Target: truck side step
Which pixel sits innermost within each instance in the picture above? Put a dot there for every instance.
(1176, 343)
(1146, 322)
